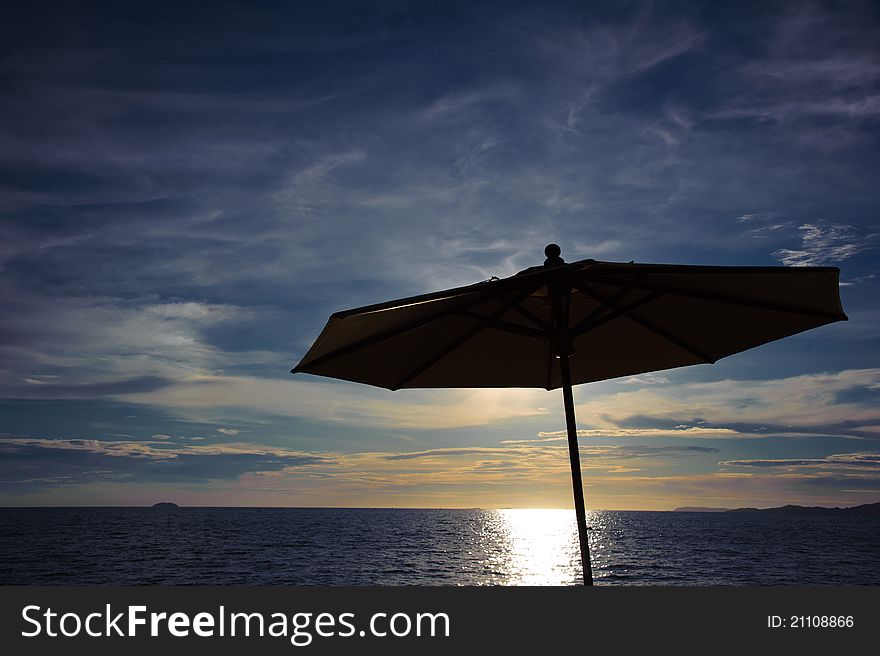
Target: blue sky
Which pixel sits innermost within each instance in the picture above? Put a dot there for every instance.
(186, 194)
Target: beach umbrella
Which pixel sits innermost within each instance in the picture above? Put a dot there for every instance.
(559, 325)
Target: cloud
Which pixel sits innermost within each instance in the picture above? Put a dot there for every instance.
(616, 476)
(603, 452)
(511, 465)
(98, 347)
(809, 403)
(645, 379)
(734, 490)
(30, 463)
(346, 404)
(459, 105)
(859, 461)
(529, 475)
(434, 453)
(748, 217)
(862, 108)
(772, 230)
(858, 280)
(823, 244)
(800, 404)
(681, 431)
(42, 389)
(629, 452)
(307, 187)
(33, 462)
(815, 78)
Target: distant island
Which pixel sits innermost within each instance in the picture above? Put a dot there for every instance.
(165, 504)
(872, 509)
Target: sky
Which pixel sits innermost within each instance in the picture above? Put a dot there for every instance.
(188, 190)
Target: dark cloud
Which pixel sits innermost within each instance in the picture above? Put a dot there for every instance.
(616, 452)
(861, 395)
(625, 452)
(838, 461)
(662, 423)
(448, 452)
(763, 464)
(29, 464)
(48, 389)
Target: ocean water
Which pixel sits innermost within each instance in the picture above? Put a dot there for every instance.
(305, 546)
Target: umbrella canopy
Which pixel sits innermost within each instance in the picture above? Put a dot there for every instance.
(561, 324)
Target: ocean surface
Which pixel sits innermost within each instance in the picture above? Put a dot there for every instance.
(304, 546)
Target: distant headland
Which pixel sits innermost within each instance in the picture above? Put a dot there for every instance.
(866, 509)
(165, 504)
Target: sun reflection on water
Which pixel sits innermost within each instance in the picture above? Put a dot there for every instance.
(540, 545)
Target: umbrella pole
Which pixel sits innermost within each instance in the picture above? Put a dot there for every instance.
(576, 481)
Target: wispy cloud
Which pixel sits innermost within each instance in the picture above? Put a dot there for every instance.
(89, 348)
(618, 476)
(749, 217)
(680, 431)
(812, 403)
(305, 188)
(645, 379)
(347, 404)
(458, 105)
(815, 81)
(33, 463)
(860, 461)
(159, 460)
(823, 244)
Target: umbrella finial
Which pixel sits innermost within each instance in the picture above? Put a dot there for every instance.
(552, 252)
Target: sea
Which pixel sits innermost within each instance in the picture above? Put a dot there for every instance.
(361, 546)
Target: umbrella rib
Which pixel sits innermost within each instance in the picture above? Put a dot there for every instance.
(587, 324)
(462, 339)
(654, 328)
(724, 298)
(540, 323)
(584, 324)
(378, 337)
(506, 326)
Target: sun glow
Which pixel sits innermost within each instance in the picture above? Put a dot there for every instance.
(542, 545)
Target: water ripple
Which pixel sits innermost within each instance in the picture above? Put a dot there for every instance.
(301, 546)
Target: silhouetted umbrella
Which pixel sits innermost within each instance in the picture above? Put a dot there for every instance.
(559, 325)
